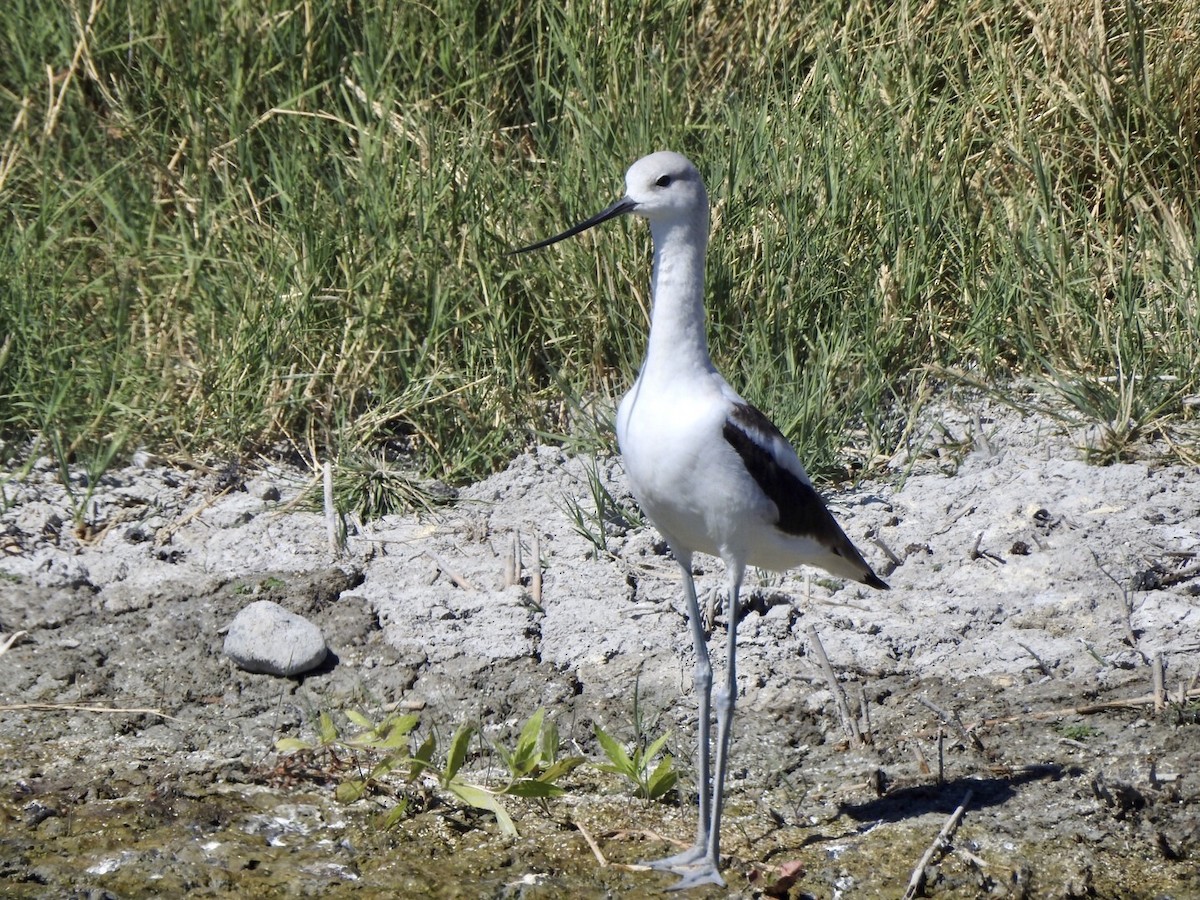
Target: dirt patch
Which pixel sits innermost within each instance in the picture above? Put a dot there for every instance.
(1013, 660)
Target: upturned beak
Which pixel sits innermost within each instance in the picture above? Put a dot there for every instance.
(620, 208)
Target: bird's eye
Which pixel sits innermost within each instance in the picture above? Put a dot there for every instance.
(663, 180)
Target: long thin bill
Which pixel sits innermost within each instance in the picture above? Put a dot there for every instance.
(619, 208)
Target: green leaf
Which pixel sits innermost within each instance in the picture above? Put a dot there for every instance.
(654, 749)
(405, 723)
(561, 768)
(421, 759)
(507, 758)
(394, 733)
(326, 731)
(662, 780)
(292, 745)
(534, 788)
(527, 743)
(615, 752)
(457, 754)
(550, 743)
(349, 791)
(481, 798)
(395, 814)
(359, 719)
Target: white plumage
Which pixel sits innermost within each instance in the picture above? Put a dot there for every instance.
(711, 471)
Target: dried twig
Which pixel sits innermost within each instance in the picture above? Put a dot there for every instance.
(452, 574)
(653, 835)
(85, 32)
(955, 722)
(1041, 663)
(887, 551)
(1158, 678)
(1191, 686)
(73, 707)
(941, 843)
(922, 762)
(1105, 706)
(849, 723)
(591, 842)
(941, 748)
(164, 534)
(10, 640)
(865, 709)
(950, 523)
(709, 613)
(535, 575)
(981, 438)
(1126, 601)
(512, 562)
(976, 553)
(331, 529)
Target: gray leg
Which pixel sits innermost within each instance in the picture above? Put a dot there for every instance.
(726, 700)
(705, 867)
(702, 679)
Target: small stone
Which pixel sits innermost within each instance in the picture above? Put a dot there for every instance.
(264, 637)
(135, 534)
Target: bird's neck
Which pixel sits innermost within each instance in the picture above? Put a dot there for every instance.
(677, 336)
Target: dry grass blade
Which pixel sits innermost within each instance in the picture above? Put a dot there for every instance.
(849, 723)
(75, 707)
(10, 640)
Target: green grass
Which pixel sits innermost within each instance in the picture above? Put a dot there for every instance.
(235, 227)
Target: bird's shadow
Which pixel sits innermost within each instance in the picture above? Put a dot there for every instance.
(916, 800)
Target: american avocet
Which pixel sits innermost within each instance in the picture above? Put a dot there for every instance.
(712, 472)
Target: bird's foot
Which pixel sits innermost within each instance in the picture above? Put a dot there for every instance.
(699, 873)
(679, 861)
(693, 866)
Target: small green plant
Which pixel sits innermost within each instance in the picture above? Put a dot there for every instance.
(606, 510)
(81, 485)
(474, 795)
(373, 487)
(534, 765)
(378, 750)
(1184, 713)
(652, 781)
(1120, 409)
(1078, 732)
(533, 770)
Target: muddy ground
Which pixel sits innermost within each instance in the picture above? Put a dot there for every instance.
(1011, 666)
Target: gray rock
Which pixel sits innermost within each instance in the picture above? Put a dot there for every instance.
(265, 637)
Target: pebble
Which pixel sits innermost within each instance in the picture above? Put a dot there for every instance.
(264, 637)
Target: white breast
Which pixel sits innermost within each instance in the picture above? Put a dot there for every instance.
(686, 476)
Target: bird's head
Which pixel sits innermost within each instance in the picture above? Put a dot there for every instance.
(660, 187)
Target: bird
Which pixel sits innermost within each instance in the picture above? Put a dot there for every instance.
(712, 473)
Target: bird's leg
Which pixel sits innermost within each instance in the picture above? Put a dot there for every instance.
(702, 676)
(705, 867)
(726, 700)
